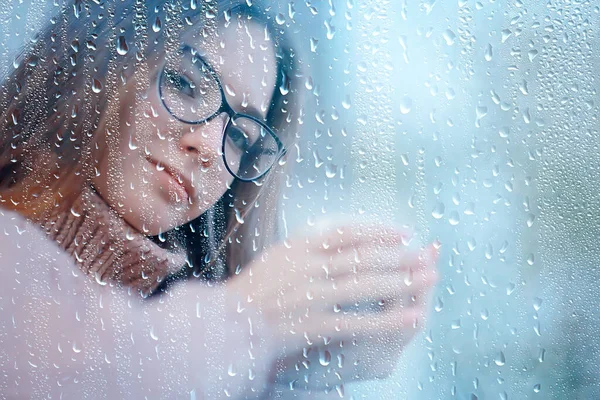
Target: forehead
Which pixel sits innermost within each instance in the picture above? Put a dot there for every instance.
(241, 52)
(245, 40)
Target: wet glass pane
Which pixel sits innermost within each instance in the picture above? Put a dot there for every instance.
(298, 200)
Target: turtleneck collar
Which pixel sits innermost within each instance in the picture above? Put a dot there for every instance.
(107, 248)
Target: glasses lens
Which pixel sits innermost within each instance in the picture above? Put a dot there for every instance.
(189, 88)
(250, 150)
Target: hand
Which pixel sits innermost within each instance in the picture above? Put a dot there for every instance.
(312, 291)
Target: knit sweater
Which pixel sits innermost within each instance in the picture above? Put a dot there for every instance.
(107, 248)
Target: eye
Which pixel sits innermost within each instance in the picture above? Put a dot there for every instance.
(239, 139)
(181, 83)
(268, 152)
(260, 149)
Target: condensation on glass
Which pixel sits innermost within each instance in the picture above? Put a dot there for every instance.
(470, 125)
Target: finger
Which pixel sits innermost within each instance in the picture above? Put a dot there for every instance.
(412, 289)
(362, 292)
(421, 288)
(429, 256)
(376, 258)
(400, 321)
(365, 291)
(421, 298)
(336, 238)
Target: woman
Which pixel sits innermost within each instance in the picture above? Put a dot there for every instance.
(147, 141)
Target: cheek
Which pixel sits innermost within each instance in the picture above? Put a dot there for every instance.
(118, 164)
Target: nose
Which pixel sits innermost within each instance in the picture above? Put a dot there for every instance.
(204, 140)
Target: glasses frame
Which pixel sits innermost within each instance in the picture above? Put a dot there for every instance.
(223, 108)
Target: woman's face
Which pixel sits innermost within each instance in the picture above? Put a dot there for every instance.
(160, 172)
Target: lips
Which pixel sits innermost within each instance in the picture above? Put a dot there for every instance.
(177, 177)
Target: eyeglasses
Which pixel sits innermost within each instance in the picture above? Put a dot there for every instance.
(192, 93)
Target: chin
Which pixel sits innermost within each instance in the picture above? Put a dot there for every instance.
(171, 219)
(165, 225)
(164, 214)
(156, 222)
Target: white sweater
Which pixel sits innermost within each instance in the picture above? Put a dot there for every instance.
(64, 335)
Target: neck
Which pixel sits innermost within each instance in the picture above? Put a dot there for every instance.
(107, 248)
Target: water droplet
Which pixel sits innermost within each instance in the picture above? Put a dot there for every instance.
(530, 220)
(489, 251)
(532, 54)
(330, 30)
(76, 349)
(471, 244)
(132, 144)
(318, 160)
(280, 19)
(485, 314)
(96, 85)
(438, 210)
(409, 278)
(122, 47)
(229, 90)
(77, 8)
(454, 218)
(488, 53)
(313, 44)
(330, 170)
(15, 117)
(510, 289)
(406, 105)
(530, 259)
(210, 14)
(157, 25)
(284, 88)
(541, 355)
(449, 37)
(404, 159)
(480, 112)
(439, 304)
(523, 87)
(346, 103)
(238, 216)
(537, 304)
(500, 360)
(324, 357)
(537, 329)
(428, 5)
(231, 370)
